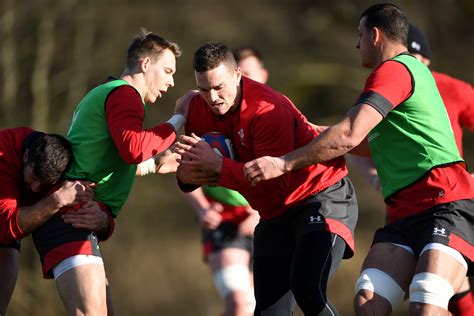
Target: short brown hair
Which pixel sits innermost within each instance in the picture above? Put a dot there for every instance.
(390, 19)
(147, 44)
(49, 155)
(211, 55)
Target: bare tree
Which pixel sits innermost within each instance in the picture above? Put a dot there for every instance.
(8, 62)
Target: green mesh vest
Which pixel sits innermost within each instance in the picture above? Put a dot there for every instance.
(225, 196)
(95, 156)
(415, 136)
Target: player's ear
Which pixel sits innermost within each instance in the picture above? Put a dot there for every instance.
(238, 74)
(25, 156)
(145, 63)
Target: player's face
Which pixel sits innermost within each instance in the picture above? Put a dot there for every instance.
(365, 45)
(159, 76)
(220, 87)
(253, 68)
(30, 181)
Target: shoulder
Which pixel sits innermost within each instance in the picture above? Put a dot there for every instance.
(262, 98)
(390, 68)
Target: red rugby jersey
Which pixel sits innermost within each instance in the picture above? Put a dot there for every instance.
(266, 123)
(124, 114)
(11, 141)
(458, 97)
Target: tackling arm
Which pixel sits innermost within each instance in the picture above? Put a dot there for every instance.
(333, 142)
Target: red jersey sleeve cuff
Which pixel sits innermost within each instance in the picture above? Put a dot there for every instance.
(14, 232)
(228, 178)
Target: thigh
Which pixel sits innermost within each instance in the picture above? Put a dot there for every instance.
(56, 241)
(444, 265)
(227, 257)
(272, 285)
(9, 259)
(83, 288)
(317, 256)
(393, 260)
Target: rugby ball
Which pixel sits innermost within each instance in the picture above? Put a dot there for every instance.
(220, 144)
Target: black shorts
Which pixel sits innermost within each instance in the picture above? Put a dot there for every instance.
(333, 210)
(57, 240)
(226, 235)
(450, 224)
(15, 245)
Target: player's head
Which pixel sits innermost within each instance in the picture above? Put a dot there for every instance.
(418, 44)
(217, 77)
(45, 160)
(250, 62)
(155, 58)
(379, 25)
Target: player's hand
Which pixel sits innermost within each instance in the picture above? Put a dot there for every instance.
(182, 104)
(73, 192)
(192, 175)
(90, 216)
(247, 227)
(211, 218)
(197, 153)
(167, 162)
(264, 168)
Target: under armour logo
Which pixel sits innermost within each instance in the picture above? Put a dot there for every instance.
(315, 219)
(439, 231)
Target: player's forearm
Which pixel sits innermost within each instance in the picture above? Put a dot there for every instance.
(31, 217)
(197, 200)
(332, 143)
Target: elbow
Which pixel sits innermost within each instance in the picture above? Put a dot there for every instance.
(130, 156)
(132, 159)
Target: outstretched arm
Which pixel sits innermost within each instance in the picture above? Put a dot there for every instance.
(333, 142)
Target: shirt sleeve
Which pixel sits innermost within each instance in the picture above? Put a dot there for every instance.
(466, 117)
(124, 114)
(273, 133)
(9, 196)
(388, 86)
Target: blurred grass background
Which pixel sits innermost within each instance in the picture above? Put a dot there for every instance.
(53, 52)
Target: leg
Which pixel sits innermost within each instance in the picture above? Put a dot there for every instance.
(440, 273)
(272, 286)
(462, 303)
(230, 267)
(83, 290)
(110, 305)
(8, 273)
(317, 256)
(386, 274)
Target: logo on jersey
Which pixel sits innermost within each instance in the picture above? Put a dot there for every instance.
(440, 232)
(315, 219)
(241, 135)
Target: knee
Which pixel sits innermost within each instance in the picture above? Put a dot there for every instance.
(430, 288)
(312, 300)
(231, 279)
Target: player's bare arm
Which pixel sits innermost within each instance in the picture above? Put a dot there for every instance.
(70, 193)
(333, 142)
